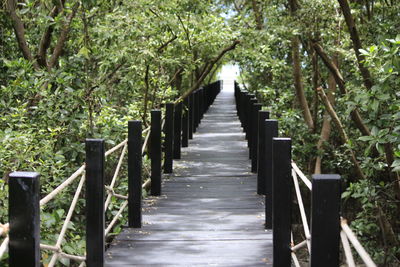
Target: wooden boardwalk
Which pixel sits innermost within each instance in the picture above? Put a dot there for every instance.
(209, 213)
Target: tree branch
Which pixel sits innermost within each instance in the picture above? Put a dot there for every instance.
(19, 30)
(257, 15)
(45, 40)
(207, 71)
(164, 45)
(298, 84)
(340, 127)
(355, 115)
(63, 37)
(186, 31)
(356, 42)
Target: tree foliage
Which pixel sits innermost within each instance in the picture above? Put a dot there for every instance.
(358, 53)
(76, 69)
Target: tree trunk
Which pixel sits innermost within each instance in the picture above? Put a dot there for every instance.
(297, 79)
(342, 131)
(298, 84)
(355, 38)
(206, 71)
(257, 14)
(355, 115)
(326, 124)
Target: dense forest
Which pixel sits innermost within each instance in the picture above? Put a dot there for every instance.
(328, 70)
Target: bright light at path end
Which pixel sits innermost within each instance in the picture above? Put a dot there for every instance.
(229, 72)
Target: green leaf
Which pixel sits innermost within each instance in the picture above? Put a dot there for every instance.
(363, 52)
(346, 194)
(366, 138)
(65, 261)
(84, 52)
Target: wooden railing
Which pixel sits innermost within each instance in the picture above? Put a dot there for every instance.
(277, 176)
(22, 233)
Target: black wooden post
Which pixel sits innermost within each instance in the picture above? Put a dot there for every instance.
(246, 113)
(282, 201)
(185, 123)
(169, 137)
(325, 220)
(245, 101)
(271, 131)
(195, 110)
(95, 240)
(201, 104)
(251, 128)
(24, 219)
(155, 152)
(254, 159)
(262, 116)
(191, 115)
(177, 130)
(135, 174)
(206, 97)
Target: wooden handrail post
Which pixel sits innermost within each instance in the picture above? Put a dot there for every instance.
(169, 137)
(198, 112)
(195, 110)
(206, 93)
(262, 116)
(95, 221)
(238, 94)
(177, 130)
(155, 152)
(254, 146)
(24, 219)
(185, 123)
(325, 220)
(135, 174)
(243, 102)
(271, 131)
(191, 115)
(246, 121)
(201, 104)
(282, 201)
(252, 121)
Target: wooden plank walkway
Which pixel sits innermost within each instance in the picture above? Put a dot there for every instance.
(209, 213)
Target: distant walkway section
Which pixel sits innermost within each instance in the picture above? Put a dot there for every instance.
(209, 213)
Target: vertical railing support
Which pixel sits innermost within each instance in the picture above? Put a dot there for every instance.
(135, 174)
(325, 220)
(185, 123)
(262, 116)
(244, 103)
(155, 152)
(177, 130)
(201, 104)
(24, 218)
(256, 108)
(271, 131)
(95, 240)
(282, 201)
(169, 137)
(191, 115)
(251, 128)
(196, 109)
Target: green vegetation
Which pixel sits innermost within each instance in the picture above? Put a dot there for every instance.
(76, 69)
(351, 53)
